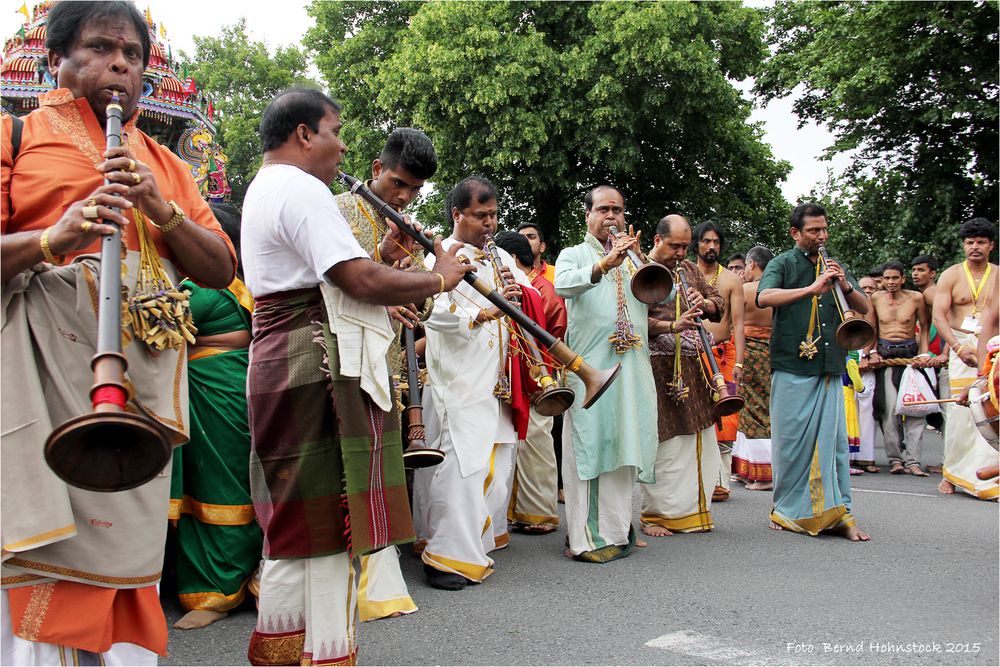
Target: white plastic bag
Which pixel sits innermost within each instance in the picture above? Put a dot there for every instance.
(914, 386)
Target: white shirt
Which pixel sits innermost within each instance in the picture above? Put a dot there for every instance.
(293, 231)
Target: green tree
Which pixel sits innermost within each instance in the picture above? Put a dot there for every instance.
(241, 77)
(910, 89)
(549, 99)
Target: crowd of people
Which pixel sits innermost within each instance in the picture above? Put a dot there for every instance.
(292, 486)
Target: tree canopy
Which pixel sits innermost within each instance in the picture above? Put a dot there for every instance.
(241, 77)
(550, 99)
(910, 90)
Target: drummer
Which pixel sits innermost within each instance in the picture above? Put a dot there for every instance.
(680, 499)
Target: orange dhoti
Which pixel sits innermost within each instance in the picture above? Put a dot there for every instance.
(725, 356)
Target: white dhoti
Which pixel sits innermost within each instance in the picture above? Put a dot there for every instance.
(598, 511)
(965, 449)
(535, 495)
(306, 613)
(463, 518)
(866, 421)
(752, 458)
(382, 590)
(686, 465)
(17, 651)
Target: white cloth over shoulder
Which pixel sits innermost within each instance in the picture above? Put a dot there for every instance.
(364, 335)
(292, 232)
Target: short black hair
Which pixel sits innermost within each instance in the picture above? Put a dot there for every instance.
(516, 245)
(703, 229)
(978, 228)
(288, 110)
(229, 218)
(735, 256)
(875, 271)
(66, 19)
(893, 265)
(800, 212)
(930, 260)
(760, 256)
(412, 149)
(462, 194)
(588, 200)
(531, 225)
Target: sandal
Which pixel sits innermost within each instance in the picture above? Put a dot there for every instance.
(916, 470)
(896, 468)
(857, 471)
(872, 468)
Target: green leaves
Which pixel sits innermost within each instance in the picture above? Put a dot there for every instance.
(241, 77)
(550, 99)
(912, 89)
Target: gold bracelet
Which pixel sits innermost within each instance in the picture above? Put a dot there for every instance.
(442, 283)
(47, 251)
(601, 266)
(175, 220)
(737, 365)
(956, 347)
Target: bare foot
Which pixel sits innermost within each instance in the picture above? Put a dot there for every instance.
(855, 534)
(199, 618)
(946, 487)
(641, 543)
(568, 553)
(655, 531)
(759, 486)
(774, 526)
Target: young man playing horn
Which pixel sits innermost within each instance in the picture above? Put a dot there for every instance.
(407, 160)
(808, 425)
(326, 467)
(462, 502)
(607, 446)
(707, 243)
(752, 451)
(687, 458)
(962, 293)
(897, 315)
(80, 568)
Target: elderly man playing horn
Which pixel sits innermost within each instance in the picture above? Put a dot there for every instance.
(461, 503)
(812, 489)
(607, 446)
(688, 458)
(80, 568)
(326, 467)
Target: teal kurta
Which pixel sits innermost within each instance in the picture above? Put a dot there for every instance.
(620, 428)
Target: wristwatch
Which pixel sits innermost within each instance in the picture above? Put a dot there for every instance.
(176, 219)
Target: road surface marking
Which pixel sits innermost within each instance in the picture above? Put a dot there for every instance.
(704, 646)
(899, 493)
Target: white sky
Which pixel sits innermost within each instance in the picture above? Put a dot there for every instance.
(284, 22)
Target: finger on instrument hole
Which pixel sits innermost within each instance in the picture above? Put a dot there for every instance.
(107, 213)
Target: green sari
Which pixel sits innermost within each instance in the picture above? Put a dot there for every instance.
(218, 539)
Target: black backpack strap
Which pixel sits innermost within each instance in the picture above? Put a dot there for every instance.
(16, 129)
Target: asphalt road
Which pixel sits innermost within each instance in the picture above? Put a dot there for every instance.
(924, 591)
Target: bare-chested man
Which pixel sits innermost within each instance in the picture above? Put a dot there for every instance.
(752, 451)
(707, 243)
(895, 314)
(737, 263)
(962, 293)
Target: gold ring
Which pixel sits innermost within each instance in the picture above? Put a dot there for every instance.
(90, 213)
(131, 165)
(136, 177)
(92, 201)
(85, 227)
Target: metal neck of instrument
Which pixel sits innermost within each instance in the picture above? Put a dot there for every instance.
(632, 255)
(838, 293)
(412, 369)
(702, 333)
(109, 318)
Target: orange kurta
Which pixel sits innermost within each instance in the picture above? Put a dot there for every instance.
(61, 145)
